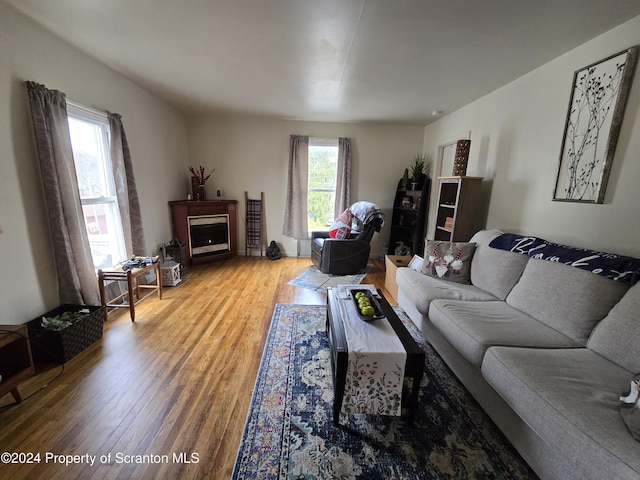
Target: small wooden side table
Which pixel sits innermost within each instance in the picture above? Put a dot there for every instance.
(133, 294)
(16, 363)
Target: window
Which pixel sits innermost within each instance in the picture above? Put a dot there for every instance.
(323, 168)
(89, 131)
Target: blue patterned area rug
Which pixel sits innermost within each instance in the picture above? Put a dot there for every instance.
(289, 432)
(314, 279)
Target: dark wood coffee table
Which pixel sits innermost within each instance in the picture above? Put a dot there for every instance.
(339, 353)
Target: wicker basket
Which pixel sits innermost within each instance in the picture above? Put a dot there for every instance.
(49, 346)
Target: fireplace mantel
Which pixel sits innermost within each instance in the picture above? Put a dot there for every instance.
(181, 210)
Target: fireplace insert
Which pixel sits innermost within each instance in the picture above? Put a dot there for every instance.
(209, 234)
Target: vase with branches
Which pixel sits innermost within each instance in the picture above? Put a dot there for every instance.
(198, 179)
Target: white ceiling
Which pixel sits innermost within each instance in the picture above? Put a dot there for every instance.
(326, 60)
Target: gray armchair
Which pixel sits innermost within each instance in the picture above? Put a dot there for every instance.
(348, 256)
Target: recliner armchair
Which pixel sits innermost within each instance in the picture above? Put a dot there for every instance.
(348, 256)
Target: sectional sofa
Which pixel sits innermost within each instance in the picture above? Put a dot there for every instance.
(545, 348)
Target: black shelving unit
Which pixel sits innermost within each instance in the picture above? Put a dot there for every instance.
(409, 218)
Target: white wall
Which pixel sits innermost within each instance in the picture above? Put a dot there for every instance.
(516, 135)
(252, 154)
(156, 135)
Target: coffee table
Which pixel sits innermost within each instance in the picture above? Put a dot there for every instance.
(339, 353)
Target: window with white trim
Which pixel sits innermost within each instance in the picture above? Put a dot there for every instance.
(323, 170)
(90, 132)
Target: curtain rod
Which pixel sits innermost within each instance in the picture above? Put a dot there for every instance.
(88, 110)
(323, 140)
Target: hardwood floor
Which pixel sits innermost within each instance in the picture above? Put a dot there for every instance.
(178, 381)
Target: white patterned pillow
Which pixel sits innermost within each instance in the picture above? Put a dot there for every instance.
(630, 407)
(448, 260)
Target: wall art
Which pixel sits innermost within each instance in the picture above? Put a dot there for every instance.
(598, 99)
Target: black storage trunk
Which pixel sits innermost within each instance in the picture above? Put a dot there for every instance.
(49, 346)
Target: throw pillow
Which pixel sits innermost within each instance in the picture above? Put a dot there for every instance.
(341, 228)
(448, 260)
(630, 407)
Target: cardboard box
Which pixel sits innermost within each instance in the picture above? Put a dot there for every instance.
(392, 263)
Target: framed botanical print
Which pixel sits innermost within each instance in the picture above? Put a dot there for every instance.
(596, 108)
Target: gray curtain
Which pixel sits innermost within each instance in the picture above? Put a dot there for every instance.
(343, 180)
(126, 188)
(295, 214)
(77, 282)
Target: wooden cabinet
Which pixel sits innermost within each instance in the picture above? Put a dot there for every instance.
(16, 363)
(458, 199)
(409, 216)
(198, 226)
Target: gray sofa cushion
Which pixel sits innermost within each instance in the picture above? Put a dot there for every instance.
(472, 327)
(570, 397)
(617, 337)
(495, 271)
(421, 289)
(568, 299)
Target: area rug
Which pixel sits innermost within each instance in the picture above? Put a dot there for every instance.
(314, 279)
(289, 432)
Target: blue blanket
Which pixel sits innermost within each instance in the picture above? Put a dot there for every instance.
(616, 267)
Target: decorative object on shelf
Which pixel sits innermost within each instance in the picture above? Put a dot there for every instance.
(461, 158)
(402, 249)
(596, 108)
(195, 188)
(198, 180)
(405, 179)
(448, 223)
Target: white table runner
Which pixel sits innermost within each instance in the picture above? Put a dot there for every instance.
(376, 363)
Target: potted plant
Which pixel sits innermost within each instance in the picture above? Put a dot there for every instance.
(418, 167)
